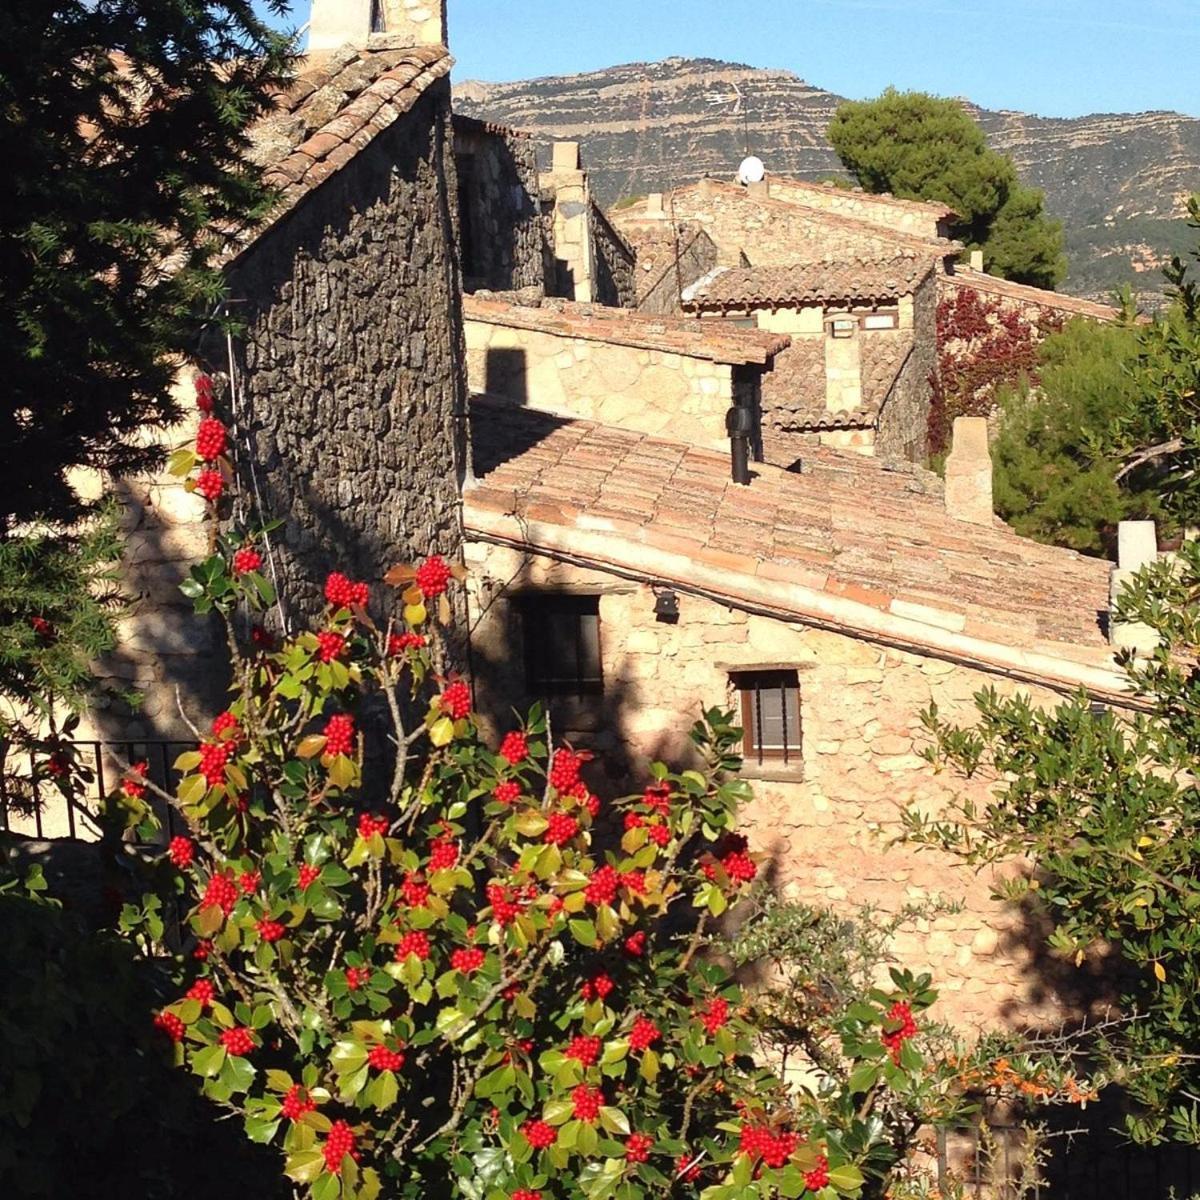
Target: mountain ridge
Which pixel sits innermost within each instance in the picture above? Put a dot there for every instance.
(1118, 181)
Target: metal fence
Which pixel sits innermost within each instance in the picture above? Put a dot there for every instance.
(47, 812)
(999, 1162)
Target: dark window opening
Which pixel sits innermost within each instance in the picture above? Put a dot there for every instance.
(378, 23)
(770, 716)
(562, 645)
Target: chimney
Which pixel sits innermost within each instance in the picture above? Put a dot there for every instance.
(399, 23)
(977, 261)
(760, 188)
(969, 473)
(574, 253)
(654, 205)
(1137, 547)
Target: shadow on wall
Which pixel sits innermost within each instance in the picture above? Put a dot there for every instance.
(92, 1106)
(506, 373)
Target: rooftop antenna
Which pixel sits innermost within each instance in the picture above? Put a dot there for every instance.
(719, 100)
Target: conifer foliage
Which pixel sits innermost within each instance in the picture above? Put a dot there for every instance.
(122, 127)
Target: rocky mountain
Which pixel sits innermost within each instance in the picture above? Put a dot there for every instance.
(1117, 181)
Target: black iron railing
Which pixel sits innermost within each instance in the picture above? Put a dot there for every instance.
(999, 1162)
(48, 812)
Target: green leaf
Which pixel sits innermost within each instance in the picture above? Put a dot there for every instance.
(583, 931)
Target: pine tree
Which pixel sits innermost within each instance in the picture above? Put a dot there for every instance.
(922, 147)
(122, 131)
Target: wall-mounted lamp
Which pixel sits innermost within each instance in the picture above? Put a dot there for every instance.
(666, 606)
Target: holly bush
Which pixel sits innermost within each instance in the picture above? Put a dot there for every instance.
(422, 965)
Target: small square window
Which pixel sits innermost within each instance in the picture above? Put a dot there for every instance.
(887, 319)
(562, 645)
(770, 716)
(842, 327)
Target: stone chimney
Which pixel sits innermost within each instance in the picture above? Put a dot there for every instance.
(574, 254)
(654, 205)
(977, 261)
(334, 23)
(1137, 547)
(969, 472)
(761, 189)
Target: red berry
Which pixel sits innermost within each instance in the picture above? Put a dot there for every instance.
(635, 944)
(774, 1149)
(638, 1147)
(247, 559)
(339, 734)
(202, 950)
(239, 1042)
(560, 830)
(455, 701)
(398, 643)
(210, 439)
(584, 1049)
(213, 757)
(538, 1134)
(443, 854)
(597, 988)
(643, 1035)
(330, 646)
(586, 1102)
(249, 882)
(297, 1102)
(203, 991)
(182, 852)
(339, 1143)
(210, 484)
(370, 824)
(222, 892)
(225, 727)
(416, 942)
(715, 1014)
(564, 769)
(634, 820)
(270, 931)
(356, 977)
(525, 1194)
(687, 1169)
(432, 576)
(657, 797)
(515, 747)
(660, 835)
(602, 887)
(383, 1059)
(171, 1025)
(467, 960)
(134, 783)
(414, 891)
(818, 1177)
(508, 792)
(307, 876)
(343, 593)
(634, 881)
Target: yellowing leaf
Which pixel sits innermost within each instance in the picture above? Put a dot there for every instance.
(1145, 841)
(311, 746)
(1079, 957)
(1160, 972)
(415, 614)
(441, 733)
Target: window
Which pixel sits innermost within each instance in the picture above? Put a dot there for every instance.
(842, 327)
(770, 716)
(562, 645)
(467, 201)
(885, 319)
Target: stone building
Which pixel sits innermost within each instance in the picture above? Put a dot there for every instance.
(864, 336)
(622, 577)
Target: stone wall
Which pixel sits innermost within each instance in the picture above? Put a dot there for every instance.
(903, 216)
(826, 827)
(349, 363)
(903, 430)
(651, 391)
(499, 207)
(614, 263)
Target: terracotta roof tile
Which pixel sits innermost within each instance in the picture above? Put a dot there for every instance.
(979, 281)
(853, 280)
(687, 336)
(333, 112)
(855, 528)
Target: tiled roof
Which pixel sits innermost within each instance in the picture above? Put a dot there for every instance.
(851, 543)
(810, 283)
(477, 125)
(594, 322)
(337, 109)
(978, 281)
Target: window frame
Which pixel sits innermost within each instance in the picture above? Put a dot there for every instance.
(749, 683)
(892, 315)
(536, 608)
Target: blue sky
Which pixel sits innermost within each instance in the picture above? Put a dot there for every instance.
(1054, 57)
